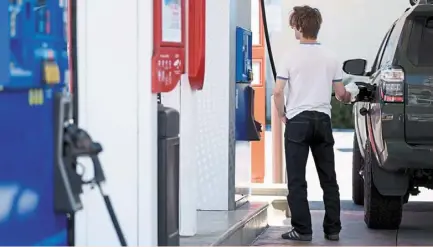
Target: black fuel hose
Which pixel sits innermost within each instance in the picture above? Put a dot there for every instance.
(268, 41)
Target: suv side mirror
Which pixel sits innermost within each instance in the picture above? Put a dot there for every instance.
(355, 66)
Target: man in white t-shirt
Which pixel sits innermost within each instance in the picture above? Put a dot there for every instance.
(309, 71)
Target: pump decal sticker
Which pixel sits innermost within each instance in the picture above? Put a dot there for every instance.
(36, 97)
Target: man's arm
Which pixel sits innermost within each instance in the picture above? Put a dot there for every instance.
(279, 95)
(280, 83)
(340, 91)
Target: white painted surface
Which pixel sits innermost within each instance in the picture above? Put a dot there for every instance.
(172, 99)
(212, 111)
(243, 164)
(117, 108)
(214, 103)
(188, 159)
(213, 117)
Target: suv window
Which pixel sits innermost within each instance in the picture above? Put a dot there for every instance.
(390, 47)
(378, 59)
(420, 50)
(375, 65)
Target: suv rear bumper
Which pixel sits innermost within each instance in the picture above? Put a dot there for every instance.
(403, 156)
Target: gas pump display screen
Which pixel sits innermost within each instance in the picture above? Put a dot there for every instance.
(171, 21)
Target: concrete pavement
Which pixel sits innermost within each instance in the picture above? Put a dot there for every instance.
(416, 228)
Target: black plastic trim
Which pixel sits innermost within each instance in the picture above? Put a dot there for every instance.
(74, 86)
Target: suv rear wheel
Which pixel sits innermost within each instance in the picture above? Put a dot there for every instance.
(357, 180)
(380, 212)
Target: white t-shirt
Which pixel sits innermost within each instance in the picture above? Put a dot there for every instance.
(310, 70)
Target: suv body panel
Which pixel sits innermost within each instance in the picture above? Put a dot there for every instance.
(416, 57)
(401, 134)
(391, 126)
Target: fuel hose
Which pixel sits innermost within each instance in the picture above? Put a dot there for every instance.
(72, 26)
(268, 40)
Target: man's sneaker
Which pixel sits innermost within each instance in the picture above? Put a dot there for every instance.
(292, 234)
(332, 237)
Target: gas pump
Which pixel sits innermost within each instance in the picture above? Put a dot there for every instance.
(247, 128)
(39, 184)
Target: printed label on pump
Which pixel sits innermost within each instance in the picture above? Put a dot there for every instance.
(167, 69)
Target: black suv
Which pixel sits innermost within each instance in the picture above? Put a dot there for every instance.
(393, 115)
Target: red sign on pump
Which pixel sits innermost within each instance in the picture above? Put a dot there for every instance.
(168, 60)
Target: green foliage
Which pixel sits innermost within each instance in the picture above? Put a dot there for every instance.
(341, 115)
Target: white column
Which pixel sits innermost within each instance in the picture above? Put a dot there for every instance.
(188, 160)
(212, 118)
(215, 107)
(118, 109)
(147, 131)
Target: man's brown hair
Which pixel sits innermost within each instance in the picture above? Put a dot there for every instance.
(307, 20)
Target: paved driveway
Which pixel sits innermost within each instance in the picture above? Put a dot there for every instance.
(416, 228)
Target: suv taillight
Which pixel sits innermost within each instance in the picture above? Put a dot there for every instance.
(392, 88)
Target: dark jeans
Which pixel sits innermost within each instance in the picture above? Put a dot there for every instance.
(311, 129)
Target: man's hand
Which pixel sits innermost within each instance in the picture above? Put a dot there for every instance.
(284, 120)
(345, 98)
(353, 89)
(342, 94)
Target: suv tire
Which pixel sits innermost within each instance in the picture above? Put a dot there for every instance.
(380, 212)
(357, 180)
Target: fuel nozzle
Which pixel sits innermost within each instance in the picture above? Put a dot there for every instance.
(78, 143)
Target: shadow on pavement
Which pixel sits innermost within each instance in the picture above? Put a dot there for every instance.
(346, 205)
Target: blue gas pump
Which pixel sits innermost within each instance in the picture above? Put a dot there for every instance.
(39, 183)
(247, 128)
